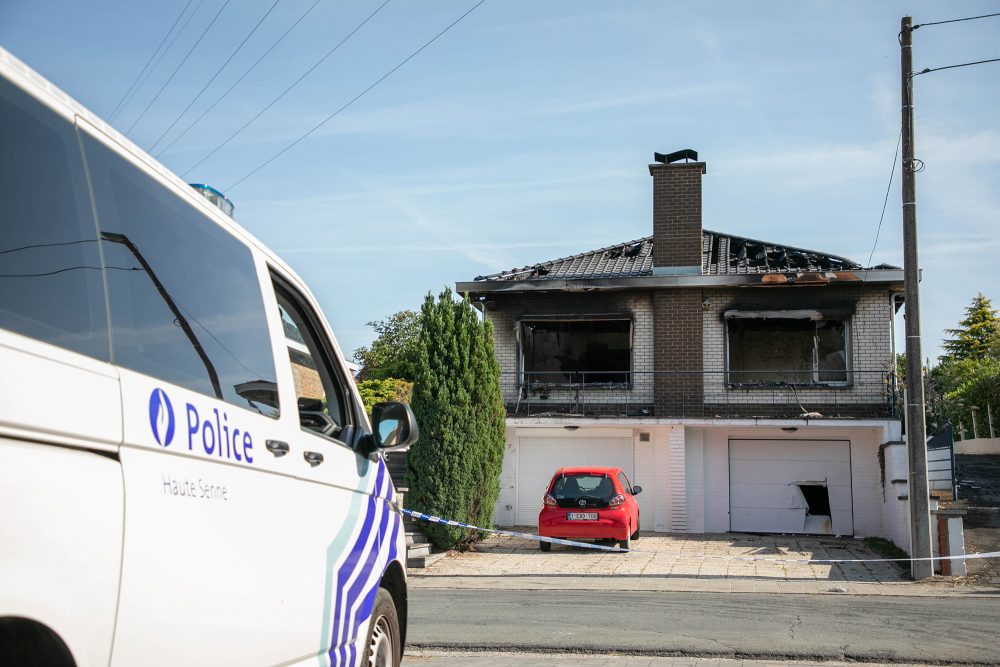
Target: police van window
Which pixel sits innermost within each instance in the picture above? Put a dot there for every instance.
(189, 311)
(50, 266)
(320, 397)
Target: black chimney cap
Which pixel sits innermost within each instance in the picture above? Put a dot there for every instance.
(685, 154)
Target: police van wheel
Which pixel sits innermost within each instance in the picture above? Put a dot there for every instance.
(383, 633)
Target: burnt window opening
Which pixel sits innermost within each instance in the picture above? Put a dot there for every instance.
(787, 351)
(817, 499)
(591, 352)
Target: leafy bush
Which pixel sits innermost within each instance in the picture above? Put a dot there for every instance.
(392, 352)
(969, 374)
(453, 471)
(979, 387)
(389, 389)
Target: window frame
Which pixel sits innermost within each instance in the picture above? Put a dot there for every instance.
(93, 341)
(600, 477)
(522, 371)
(816, 317)
(179, 194)
(353, 427)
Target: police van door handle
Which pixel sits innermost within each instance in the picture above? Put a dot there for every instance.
(277, 447)
(313, 458)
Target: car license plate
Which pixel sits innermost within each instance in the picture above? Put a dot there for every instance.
(581, 516)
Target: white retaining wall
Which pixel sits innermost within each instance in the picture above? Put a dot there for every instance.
(978, 446)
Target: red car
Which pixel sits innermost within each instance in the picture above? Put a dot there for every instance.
(590, 503)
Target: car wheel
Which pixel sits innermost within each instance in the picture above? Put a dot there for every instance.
(626, 543)
(383, 649)
(635, 535)
(545, 546)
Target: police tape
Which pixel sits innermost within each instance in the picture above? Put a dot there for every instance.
(512, 533)
(430, 518)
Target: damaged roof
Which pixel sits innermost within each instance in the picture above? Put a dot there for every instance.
(721, 254)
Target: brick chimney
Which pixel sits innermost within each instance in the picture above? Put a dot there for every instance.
(677, 213)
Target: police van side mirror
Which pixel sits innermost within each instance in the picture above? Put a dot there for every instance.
(393, 426)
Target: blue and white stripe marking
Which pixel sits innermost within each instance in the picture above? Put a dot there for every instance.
(353, 582)
(600, 547)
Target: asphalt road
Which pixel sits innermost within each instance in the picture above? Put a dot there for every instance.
(946, 630)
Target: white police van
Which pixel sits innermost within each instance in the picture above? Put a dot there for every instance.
(187, 475)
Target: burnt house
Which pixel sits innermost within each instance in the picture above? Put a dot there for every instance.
(747, 385)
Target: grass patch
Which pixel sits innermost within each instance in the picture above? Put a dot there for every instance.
(888, 549)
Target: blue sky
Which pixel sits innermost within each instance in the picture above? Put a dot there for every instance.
(524, 132)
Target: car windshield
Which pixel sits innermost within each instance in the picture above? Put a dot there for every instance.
(570, 487)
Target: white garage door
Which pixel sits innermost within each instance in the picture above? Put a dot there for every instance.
(539, 457)
(790, 486)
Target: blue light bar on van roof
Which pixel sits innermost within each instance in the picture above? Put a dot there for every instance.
(220, 200)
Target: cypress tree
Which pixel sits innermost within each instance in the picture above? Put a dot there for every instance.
(453, 471)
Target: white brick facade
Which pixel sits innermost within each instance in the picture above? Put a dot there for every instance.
(683, 464)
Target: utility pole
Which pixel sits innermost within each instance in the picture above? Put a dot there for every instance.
(916, 428)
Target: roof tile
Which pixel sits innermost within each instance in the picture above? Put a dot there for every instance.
(721, 254)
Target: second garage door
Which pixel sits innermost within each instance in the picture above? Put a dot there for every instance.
(790, 486)
(539, 457)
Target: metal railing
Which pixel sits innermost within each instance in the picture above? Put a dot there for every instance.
(724, 394)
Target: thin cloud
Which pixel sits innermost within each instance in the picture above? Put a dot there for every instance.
(949, 245)
(826, 164)
(560, 23)
(450, 116)
(439, 247)
(438, 183)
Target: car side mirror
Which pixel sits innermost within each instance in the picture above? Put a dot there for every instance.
(393, 426)
(636, 490)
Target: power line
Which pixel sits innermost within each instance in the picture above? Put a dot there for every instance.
(159, 59)
(970, 18)
(46, 245)
(179, 65)
(356, 97)
(70, 268)
(286, 90)
(230, 89)
(885, 202)
(892, 174)
(938, 69)
(153, 55)
(191, 316)
(214, 76)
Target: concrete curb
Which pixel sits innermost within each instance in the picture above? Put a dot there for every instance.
(658, 583)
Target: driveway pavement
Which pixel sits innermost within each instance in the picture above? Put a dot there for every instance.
(661, 561)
